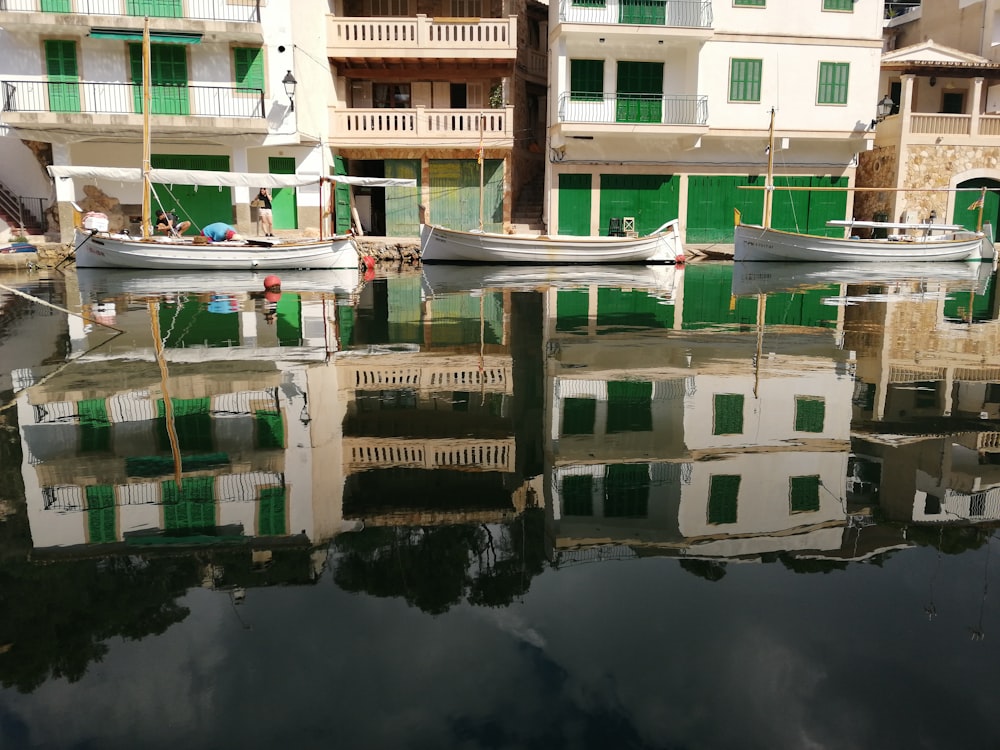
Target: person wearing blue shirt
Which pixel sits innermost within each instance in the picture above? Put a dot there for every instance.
(219, 231)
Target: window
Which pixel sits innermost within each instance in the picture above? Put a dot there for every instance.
(803, 494)
(578, 416)
(586, 80)
(750, 3)
(248, 67)
(728, 414)
(577, 495)
(467, 8)
(391, 95)
(626, 491)
(723, 491)
(630, 407)
(588, 3)
(810, 412)
(640, 92)
(832, 83)
(271, 516)
(842, 5)
(102, 515)
(744, 80)
(389, 8)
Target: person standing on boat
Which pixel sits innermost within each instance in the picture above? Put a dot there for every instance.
(166, 222)
(263, 201)
(220, 231)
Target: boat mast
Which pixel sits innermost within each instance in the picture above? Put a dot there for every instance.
(146, 99)
(769, 182)
(482, 167)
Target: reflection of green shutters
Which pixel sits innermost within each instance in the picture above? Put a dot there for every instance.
(154, 8)
(572, 309)
(643, 11)
(270, 429)
(248, 67)
(401, 213)
(651, 199)
(640, 92)
(192, 423)
(102, 515)
(63, 75)
(284, 207)
(578, 495)
(630, 406)
(810, 413)
(288, 320)
(803, 494)
(617, 308)
(626, 491)
(193, 507)
(586, 80)
(345, 325)
(56, 6)
(727, 418)
(95, 427)
(574, 204)
(405, 307)
(832, 88)
(744, 80)
(723, 491)
(271, 517)
(578, 416)
(168, 78)
(191, 324)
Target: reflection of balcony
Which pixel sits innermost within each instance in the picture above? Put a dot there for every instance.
(481, 454)
(421, 37)
(493, 374)
(679, 14)
(28, 103)
(633, 109)
(422, 126)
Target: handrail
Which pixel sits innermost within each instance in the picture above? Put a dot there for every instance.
(646, 109)
(205, 10)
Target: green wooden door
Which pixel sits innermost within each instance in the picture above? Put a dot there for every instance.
(574, 204)
(168, 78)
(56, 6)
(640, 92)
(790, 208)
(341, 199)
(651, 199)
(825, 205)
(711, 202)
(643, 11)
(202, 205)
(60, 66)
(967, 208)
(155, 8)
(402, 217)
(284, 204)
(454, 194)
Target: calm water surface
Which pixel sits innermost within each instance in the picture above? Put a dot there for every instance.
(718, 506)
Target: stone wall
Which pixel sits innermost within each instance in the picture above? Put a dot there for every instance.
(876, 168)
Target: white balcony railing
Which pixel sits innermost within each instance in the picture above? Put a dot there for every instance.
(220, 10)
(645, 109)
(419, 123)
(397, 36)
(688, 14)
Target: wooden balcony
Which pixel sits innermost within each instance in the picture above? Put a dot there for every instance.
(421, 37)
(422, 127)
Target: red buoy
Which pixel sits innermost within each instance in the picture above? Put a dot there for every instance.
(271, 281)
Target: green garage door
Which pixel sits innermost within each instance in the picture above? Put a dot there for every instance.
(284, 206)
(651, 200)
(574, 204)
(199, 205)
(402, 217)
(967, 206)
(711, 202)
(454, 194)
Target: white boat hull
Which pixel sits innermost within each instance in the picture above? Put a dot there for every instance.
(442, 245)
(95, 283)
(757, 243)
(107, 250)
(659, 279)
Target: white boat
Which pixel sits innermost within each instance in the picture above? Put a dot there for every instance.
(752, 278)
(442, 245)
(914, 242)
(96, 247)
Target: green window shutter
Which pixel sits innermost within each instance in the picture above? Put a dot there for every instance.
(728, 414)
(248, 66)
(626, 491)
(154, 8)
(157, 466)
(95, 427)
(810, 413)
(168, 78)
(724, 489)
(288, 320)
(63, 75)
(744, 80)
(572, 310)
(102, 515)
(652, 12)
(588, 3)
(577, 495)
(270, 429)
(192, 422)
(630, 406)
(750, 3)
(640, 92)
(586, 80)
(190, 507)
(578, 416)
(56, 6)
(842, 5)
(271, 516)
(833, 79)
(803, 494)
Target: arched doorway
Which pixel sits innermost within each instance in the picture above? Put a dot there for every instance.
(966, 210)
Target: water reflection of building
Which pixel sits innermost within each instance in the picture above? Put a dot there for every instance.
(688, 426)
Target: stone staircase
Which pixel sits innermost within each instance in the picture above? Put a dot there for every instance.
(526, 214)
(22, 214)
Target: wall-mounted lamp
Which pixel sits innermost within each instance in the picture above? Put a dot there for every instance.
(289, 83)
(933, 81)
(883, 109)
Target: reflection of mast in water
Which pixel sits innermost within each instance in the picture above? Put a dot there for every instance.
(168, 406)
(977, 632)
(929, 608)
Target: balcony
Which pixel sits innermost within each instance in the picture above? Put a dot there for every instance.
(684, 15)
(420, 37)
(633, 109)
(423, 127)
(942, 129)
(102, 105)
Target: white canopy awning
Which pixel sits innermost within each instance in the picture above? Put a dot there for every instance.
(204, 177)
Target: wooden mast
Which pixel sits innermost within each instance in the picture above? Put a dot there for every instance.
(769, 182)
(482, 167)
(146, 101)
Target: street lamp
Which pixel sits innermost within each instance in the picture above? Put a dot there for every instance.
(289, 83)
(883, 109)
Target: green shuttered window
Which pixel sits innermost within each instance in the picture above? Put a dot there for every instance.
(750, 3)
(578, 416)
(833, 83)
(630, 407)
(626, 491)
(586, 80)
(248, 67)
(577, 495)
(842, 5)
(803, 494)
(810, 413)
(724, 489)
(744, 80)
(271, 516)
(727, 418)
